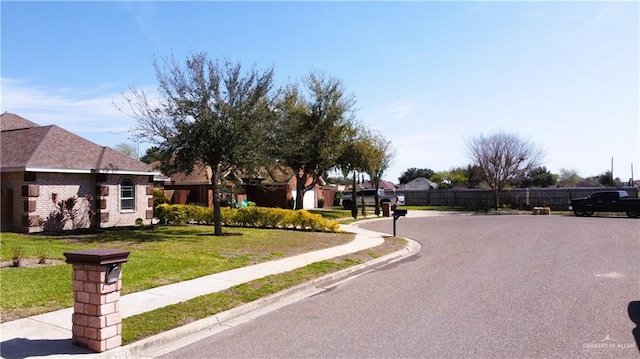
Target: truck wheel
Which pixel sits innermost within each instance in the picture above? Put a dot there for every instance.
(633, 214)
(578, 212)
(589, 213)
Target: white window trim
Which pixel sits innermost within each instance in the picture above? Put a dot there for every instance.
(120, 197)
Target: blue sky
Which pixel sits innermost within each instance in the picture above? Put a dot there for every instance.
(426, 75)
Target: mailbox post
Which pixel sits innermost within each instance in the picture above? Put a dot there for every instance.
(397, 213)
(97, 322)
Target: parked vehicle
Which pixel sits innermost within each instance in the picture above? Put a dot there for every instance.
(369, 198)
(606, 201)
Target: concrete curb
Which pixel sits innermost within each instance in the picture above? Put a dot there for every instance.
(174, 339)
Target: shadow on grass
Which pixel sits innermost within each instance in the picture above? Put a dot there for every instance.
(153, 233)
(224, 234)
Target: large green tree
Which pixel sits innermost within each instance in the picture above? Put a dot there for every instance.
(152, 154)
(313, 122)
(503, 157)
(451, 178)
(537, 177)
(606, 179)
(568, 177)
(207, 113)
(126, 148)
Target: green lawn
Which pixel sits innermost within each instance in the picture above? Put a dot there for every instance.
(159, 256)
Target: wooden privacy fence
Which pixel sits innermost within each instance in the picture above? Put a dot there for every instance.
(516, 198)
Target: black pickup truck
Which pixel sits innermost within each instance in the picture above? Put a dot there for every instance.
(606, 201)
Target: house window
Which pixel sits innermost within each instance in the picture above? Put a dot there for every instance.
(127, 195)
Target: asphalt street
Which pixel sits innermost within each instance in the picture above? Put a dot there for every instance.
(488, 286)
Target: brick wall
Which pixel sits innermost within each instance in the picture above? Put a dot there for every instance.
(111, 202)
(32, 199)
(13, 181)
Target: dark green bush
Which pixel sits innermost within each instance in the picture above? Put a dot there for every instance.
(159, 197)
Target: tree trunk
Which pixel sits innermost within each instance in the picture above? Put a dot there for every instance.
(496, 195)
(376, 186)
(217, 218)
(354, 198)
(301, 181)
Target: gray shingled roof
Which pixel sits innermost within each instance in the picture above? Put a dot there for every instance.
(11, 121)
(419, 184)
(25, 146)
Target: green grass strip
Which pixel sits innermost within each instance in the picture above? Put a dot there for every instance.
(163, 319)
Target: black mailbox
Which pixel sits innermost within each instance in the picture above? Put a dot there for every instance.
(397, 213)
(400, 212)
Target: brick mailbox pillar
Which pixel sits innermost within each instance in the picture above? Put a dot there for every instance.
(97, 280)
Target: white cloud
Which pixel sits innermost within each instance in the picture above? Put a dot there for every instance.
(90, 113)
(71, 109)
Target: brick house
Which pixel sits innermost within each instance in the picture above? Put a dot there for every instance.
(277, 188)
(195, 188)
(44, 167)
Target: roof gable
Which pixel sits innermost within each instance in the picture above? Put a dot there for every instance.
(11, 121)
(51, 148)
(420, 183)
(385, 185)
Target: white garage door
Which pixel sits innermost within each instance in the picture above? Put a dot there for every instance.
(309, 200)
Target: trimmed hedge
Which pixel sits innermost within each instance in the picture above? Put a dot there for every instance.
(259, 217)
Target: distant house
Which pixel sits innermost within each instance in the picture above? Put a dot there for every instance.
(53, 179)
(277, 188)
(314, 197)
(385, 185)
(274, 188)
(192, 188)
(419, 184)
(195, 188)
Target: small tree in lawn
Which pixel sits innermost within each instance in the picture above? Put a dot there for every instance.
(353, 160)
(208, 113)
(311, 126)
(503, 157)
(377, 162)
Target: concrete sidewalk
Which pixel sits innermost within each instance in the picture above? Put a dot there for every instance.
(49, 335)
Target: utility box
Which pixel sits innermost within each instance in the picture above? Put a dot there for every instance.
(386, 209)
(97, 281)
